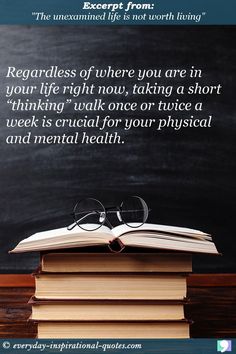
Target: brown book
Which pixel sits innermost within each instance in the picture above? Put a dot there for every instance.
(115, 262)
(171, 329)
(111, 286)
(105, 310)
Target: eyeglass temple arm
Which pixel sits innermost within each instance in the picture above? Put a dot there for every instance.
(71, 227)
(96, 212)
(109, 224)
(114, 209)
(111, 209)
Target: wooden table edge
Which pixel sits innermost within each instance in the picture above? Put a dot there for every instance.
(193, 280)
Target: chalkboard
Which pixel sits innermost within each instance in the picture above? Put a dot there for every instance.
(186, 177)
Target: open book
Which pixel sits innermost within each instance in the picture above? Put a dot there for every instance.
(147, 236)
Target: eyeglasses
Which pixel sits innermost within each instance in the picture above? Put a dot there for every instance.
(90, 214)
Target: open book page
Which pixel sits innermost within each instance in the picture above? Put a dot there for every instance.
(157, 228)
(64, 238)
(158, 235)
(164, 243)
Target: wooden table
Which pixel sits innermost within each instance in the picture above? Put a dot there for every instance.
(212, 306)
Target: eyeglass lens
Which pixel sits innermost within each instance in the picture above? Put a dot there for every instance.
(89, 214)
(134, 211)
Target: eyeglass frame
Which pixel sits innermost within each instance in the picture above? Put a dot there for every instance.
(107, 210)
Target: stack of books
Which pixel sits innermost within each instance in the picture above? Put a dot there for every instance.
(119, 295)
(127, 294)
